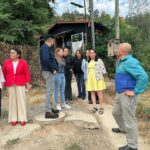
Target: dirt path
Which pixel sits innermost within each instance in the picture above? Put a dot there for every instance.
(79, 131)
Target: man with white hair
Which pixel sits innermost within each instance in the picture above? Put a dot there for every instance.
(130, 81)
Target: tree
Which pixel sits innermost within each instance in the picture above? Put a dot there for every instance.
(22, 20)
(139, 7)
(139, 17)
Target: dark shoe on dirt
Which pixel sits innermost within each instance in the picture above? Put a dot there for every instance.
(83, 97)
(51, 115)
(79, 96)
(101, 110)
(126, 147)
(55, 110)
(117, 130)
(94, 110)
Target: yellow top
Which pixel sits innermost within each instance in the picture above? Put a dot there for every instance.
(92, 84)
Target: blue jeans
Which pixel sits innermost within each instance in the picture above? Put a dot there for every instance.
(49, 78)
(59, 87)
(80, 85)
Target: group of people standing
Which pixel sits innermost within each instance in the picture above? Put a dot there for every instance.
(58, 69)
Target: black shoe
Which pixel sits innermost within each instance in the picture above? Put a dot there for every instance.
(94, 110)
(51, 115)
(78, 96)
(55, 110)
(117, 130)
(126, 147)
(83, 97)
(101, 110)
(70, 98)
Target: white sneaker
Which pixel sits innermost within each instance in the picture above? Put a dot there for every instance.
(58, 107)
(66, 106)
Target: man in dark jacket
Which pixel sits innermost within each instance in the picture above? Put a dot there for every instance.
(49, 69)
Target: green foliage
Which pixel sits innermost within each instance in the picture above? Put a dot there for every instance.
(73, 146)
(101, 41)
(134, 30)
(146, 111)
(67, 16)
(22, 20)
(141, 45)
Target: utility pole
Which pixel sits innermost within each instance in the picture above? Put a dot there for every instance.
(117, 37)
(86, 32)
(91, 8)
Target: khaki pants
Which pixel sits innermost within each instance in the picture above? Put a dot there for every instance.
(124, 114)
(17, 103)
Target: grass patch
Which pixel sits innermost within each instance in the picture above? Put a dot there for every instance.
(4, 114)
(74, 146)
(36, 96)
(11, 142)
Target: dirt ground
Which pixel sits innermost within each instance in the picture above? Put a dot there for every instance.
(67, 135)
(70, 135)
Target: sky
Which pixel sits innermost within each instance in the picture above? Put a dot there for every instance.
(102, 5)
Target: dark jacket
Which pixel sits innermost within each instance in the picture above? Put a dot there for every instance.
(77, 63)
(69, 63)
(47, 59)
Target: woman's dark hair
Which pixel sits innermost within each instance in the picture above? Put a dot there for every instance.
(17, 50)
(66, 48)
(84, 55)
(79, 52)
(96, 57)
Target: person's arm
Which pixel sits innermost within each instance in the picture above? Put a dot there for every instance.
(52, 61)
(2, 80)
(1, 76)
(83, 67)
(140, 75)
(103, 69)
(4, 69)
(27, 75)
(71, 63)
(46, 57)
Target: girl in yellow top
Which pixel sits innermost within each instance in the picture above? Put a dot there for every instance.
(95, 80)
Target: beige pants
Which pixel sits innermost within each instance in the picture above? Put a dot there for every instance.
(17, 104)
(124, 113)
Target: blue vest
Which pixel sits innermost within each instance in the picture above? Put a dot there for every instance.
(124, 81)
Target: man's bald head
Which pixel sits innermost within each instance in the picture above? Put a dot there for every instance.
(125, 47)
(123, 50)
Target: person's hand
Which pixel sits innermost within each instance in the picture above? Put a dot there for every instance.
(3, 84)
(129, 93)
(28, 86)
(54, 72)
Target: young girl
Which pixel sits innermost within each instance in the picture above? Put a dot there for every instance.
(60, 80)
(2, 80)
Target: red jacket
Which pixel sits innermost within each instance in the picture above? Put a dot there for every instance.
(22, 75)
